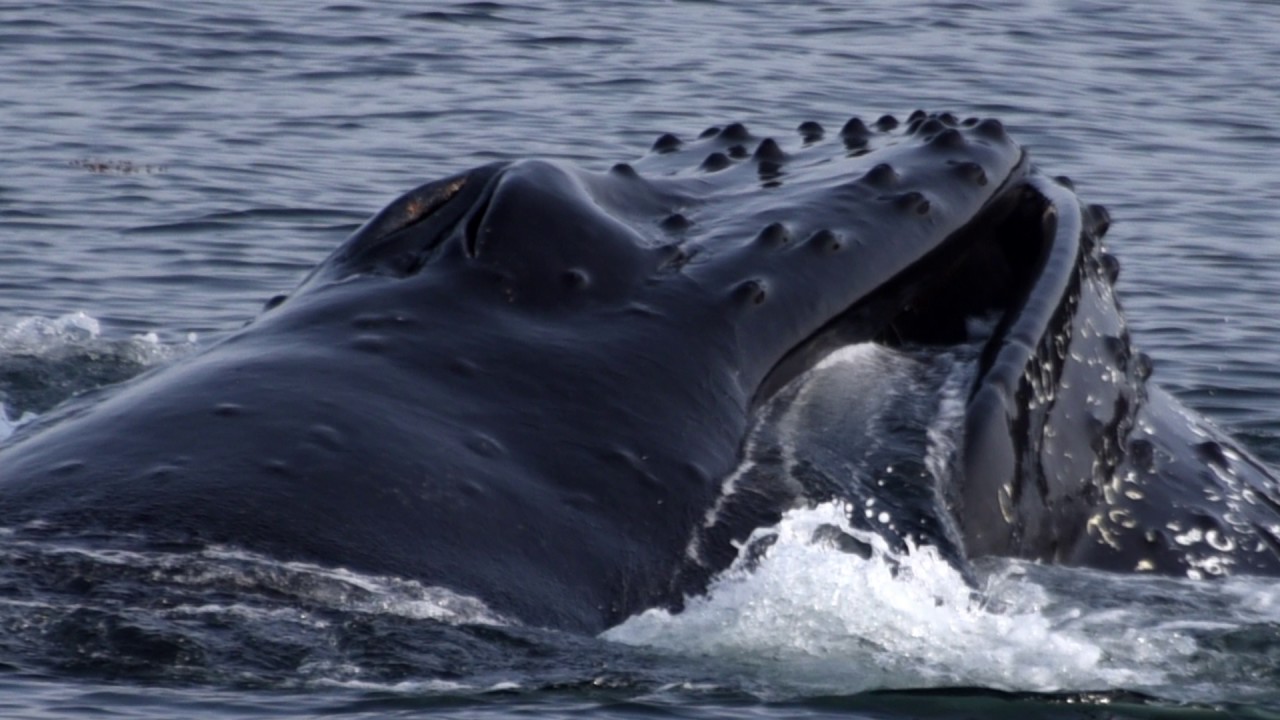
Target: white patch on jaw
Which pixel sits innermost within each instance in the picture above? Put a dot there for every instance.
(805, 405)
(844, 419)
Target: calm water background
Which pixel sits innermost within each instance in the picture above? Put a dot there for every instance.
(165, 167)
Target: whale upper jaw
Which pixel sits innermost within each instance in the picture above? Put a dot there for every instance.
(880, 232)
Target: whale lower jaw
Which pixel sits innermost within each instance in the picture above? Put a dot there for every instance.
(880, 394)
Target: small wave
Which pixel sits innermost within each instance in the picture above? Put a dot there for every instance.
(356, 592)
(403, 687)
(121, 605)
(220, 569)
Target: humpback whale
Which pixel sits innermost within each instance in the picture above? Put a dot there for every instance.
(529, 382)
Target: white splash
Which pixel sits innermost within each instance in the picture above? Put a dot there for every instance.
(36, 335)
(40, 336)
(812, 617)
(63, 347)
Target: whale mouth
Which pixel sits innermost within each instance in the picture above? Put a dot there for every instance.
(987, 269)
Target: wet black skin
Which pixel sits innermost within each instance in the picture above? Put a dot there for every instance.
(526, 382)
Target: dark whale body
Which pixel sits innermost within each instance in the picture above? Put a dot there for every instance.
(527, 382)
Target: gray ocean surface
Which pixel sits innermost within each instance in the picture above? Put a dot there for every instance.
(167, 167)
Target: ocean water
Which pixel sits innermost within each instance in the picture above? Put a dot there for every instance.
(165, 168)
